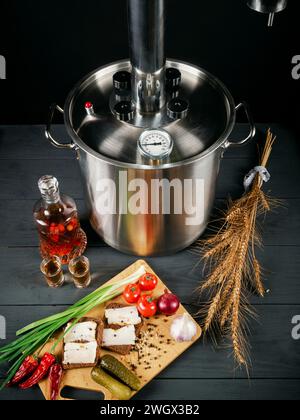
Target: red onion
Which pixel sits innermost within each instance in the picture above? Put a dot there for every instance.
(168, 303)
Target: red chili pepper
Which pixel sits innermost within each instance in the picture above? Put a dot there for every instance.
(55, 377)
(41, 371)
(27, 367)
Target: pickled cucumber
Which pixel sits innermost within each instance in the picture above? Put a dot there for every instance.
(114, 366)
(120, 391)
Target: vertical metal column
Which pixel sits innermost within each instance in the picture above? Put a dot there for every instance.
(147, 51)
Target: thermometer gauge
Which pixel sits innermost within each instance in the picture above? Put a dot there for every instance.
(155, 144)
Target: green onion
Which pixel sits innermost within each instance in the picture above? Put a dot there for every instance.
(34, 336)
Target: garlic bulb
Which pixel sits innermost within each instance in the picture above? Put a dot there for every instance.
(183, 328)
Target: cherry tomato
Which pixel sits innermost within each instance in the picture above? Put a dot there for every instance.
(148, 282)
(61, 227)
(131, 293)
(54, 229)
(147, 306)
(54, 238)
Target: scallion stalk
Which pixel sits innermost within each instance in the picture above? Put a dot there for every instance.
(35, 335)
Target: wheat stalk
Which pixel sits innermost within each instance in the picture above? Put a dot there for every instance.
(227, 301)
(258, 277)
(231, 263)
(212, 311)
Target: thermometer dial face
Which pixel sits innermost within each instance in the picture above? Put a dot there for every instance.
(155, 144)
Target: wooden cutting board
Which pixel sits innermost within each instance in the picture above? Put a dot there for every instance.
(157, 349)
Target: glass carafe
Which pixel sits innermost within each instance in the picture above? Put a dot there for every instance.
(57, 221)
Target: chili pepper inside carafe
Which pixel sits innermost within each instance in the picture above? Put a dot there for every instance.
(57, 222)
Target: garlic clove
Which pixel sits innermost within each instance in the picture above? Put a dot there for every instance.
(183, 328)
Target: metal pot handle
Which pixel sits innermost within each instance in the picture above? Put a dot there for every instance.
(48, 134)
(251, 124)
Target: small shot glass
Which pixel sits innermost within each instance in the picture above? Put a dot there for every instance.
(52, 270)
(80, 270)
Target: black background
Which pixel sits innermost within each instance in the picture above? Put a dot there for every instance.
(50, 45)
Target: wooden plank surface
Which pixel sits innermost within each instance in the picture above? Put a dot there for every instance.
(283, 166)
(274, 352)
(203, 373)
(230, 180)
(18, 228)
(23, 284)
(195, 389)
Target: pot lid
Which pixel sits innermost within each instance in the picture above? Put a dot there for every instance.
(90, 115)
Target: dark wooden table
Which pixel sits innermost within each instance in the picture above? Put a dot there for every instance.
(203, 372)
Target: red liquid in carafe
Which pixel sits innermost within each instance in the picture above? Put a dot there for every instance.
(59, 231)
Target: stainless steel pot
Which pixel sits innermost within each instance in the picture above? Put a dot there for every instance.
(190, 115)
